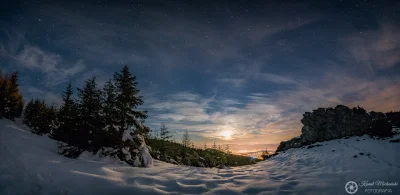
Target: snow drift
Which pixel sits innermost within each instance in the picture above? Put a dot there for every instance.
(30, 165)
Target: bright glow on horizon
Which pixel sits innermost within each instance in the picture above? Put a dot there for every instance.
(227, 134)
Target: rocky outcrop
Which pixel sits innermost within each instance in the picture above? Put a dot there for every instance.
(332, 123)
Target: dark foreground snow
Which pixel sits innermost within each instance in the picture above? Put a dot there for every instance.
(30, 165)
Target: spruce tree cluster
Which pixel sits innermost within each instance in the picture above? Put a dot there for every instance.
(11, 102)
(104, 121)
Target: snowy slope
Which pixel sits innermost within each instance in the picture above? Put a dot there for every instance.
(30, 165)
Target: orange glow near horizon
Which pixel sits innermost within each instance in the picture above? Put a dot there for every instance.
(227, 134)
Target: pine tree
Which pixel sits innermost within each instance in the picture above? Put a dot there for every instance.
(51, 118)
(186, 139)
(44, 121)
(108, 135)
(214, 146)
(127, 102)
(89, 116)
(186, 144)
(157, 134)
(130, 147)
(35, 120)
(67, 118)
(13, 97)
(28, 113)
(36, 117)
(227, 149)
(164, 133)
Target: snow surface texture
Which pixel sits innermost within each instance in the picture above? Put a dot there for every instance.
(30, 165)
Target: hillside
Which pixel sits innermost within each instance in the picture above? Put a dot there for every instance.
(30, 165)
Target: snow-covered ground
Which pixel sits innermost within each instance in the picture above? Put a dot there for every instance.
(29, 164)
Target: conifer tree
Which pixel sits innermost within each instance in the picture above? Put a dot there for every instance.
(44, 120)
(214, 146)
(157, 134)
(127, 102)
(36, 117)
(186, 139)
(28, 113)
(227, 149)
(109, 133)
(89, 116)
(131, 145)
(51, 118)
(67, 118)
(13, 97)
(164, 133)
(185, 144)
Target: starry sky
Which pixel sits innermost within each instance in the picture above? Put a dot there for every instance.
(230, 72)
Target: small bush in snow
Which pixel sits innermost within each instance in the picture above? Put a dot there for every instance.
(68, 150)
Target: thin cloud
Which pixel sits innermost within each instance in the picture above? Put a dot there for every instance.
(274, 78)
(56, 70)
(376, 48)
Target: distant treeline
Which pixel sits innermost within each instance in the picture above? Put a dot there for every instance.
(185, 153)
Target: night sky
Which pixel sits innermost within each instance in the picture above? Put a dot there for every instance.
(245, 68)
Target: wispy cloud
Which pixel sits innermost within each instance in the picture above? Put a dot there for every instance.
(277, 79)
(56, 70)
(376, 48)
